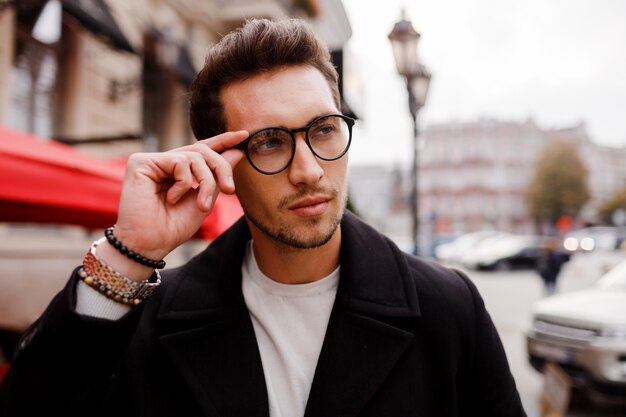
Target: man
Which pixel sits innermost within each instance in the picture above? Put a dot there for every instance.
(549, 266)
(300, 309)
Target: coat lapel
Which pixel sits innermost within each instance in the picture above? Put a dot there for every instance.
(207, 332)
(222, 367)
(369, 329)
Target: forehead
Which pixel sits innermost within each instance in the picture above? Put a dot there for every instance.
(289, 97)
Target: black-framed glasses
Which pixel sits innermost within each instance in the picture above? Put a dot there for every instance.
(271, 150)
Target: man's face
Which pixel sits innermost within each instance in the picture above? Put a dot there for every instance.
(300, 207)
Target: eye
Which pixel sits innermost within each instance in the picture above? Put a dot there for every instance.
(326, 129)
(268, 141)
(323, 128)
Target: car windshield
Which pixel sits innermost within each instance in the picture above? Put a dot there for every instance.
(615, 278)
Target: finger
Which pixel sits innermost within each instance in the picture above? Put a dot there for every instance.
(221, 165)
(207, 186)
(225, 141)
(183, 179)
(206, 180)
(206, 203)
(223, 169)
(218, 143)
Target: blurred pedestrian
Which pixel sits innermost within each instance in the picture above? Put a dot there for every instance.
(549, 266)
(299, 308)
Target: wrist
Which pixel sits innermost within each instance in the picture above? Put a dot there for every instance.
(130, 253)
(133, 241)
(125, 266)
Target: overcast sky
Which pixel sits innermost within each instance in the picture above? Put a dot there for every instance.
(560, 62)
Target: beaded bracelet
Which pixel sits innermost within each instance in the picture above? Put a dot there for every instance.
(111, 283)
(108, 233)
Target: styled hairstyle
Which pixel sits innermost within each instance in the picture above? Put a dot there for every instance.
(257, 47)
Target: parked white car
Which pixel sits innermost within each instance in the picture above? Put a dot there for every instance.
(585, 333)
(504, 252)
(452, 252)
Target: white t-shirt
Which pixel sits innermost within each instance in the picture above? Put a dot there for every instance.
(290, 323)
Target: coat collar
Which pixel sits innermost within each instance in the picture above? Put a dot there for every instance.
(375, 278)
(207, 331)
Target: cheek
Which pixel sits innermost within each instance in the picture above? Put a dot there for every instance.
(251, 187)
(241, 176)
(339, 173)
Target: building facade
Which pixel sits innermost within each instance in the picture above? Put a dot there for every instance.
(474, 176)
(110, 76)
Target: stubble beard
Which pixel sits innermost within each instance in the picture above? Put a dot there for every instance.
(287, 235)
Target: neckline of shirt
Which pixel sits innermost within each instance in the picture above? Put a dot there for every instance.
(270, 286)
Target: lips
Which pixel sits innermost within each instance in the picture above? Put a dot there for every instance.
(310, 206)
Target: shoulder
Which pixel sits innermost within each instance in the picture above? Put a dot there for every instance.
(385, 274)
(442, 287)
(452, 311)
(211, 278)
(375, 252)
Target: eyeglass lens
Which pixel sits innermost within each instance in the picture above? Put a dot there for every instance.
(270, 150)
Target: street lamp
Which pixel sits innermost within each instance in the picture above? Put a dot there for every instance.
(404, 40)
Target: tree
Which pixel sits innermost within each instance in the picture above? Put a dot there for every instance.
(559, 186)
(607, 210)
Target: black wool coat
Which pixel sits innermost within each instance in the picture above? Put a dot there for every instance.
(405, 338)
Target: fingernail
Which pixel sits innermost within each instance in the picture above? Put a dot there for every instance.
(208, 201)
(230, 182)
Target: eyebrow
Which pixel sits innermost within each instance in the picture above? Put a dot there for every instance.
(318, 116)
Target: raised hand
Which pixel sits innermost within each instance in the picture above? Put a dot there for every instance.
(167, 195)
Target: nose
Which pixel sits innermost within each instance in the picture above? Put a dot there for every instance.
(305, 167)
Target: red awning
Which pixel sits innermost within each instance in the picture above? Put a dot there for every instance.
(48, 182)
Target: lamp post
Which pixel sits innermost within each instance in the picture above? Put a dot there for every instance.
(404, 40)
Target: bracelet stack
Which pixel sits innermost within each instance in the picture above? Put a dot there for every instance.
(108, 233)
(111, 283)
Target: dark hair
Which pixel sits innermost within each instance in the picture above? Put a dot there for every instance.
(259, 46)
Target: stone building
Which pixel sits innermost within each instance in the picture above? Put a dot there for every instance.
(474, 176)
(111, 76)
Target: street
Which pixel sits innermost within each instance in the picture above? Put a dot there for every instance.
(509, 297)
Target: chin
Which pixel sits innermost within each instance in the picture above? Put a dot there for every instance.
(311, 233)
(312, 240)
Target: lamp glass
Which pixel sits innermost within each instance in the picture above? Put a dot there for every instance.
(404, 40)
(405, 54)
(419, 86)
